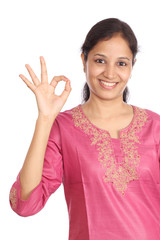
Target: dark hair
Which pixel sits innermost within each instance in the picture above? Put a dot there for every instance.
(105, 30)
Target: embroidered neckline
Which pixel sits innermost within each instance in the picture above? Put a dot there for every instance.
(100, 129)
(120, 174)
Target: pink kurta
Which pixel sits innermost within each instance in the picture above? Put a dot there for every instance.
(112, 186)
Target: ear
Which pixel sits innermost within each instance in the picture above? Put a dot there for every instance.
(83, 61)
(135, 60)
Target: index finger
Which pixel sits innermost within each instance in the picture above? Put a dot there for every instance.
(44, 76)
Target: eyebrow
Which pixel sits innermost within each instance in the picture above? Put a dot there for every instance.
(102, 55)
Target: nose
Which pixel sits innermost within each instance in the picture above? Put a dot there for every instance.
(109, 72)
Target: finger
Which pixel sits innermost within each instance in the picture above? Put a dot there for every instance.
(44, 75)
(57, 79)
(27, 82)
(64, 95)
(33, 75)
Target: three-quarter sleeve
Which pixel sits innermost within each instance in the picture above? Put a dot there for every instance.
(52, 178)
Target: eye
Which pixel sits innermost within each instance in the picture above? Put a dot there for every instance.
(122, 64)
(99, 60)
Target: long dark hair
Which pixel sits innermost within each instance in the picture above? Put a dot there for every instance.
(105, 30)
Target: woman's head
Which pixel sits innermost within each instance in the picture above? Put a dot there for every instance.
(103, 31)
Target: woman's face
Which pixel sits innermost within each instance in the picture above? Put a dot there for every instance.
(108, 68)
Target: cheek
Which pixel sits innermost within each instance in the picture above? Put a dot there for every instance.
(125, 75)
(93, 71)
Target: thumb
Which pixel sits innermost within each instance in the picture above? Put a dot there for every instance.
(64, 95)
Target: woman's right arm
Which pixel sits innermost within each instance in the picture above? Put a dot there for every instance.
(30, 182)
(31, 172)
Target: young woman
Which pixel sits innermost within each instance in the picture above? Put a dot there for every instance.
(104, 151)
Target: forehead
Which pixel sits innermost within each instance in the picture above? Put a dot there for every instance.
(114, 46)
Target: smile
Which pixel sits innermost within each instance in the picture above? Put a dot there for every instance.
(107, 85)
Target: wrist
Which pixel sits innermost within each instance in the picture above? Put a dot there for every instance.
(46, 119)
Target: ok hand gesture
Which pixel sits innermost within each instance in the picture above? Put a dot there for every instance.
(49, 104)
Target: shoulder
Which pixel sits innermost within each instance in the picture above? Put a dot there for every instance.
(152, 115)
(66, 115)
(63, 124)
(65, 118)
(150, 118)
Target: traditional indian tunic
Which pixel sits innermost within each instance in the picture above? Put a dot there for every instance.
(111, 186)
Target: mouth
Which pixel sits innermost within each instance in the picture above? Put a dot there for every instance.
(109, 84)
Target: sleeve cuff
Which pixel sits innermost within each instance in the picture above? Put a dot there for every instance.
(26, 207)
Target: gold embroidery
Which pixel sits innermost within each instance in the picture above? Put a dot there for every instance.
(119, 174)
(129, 145)
(13, 197)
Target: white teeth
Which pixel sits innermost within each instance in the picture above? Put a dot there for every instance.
(107, 84)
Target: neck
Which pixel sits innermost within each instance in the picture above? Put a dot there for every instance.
(100, 108)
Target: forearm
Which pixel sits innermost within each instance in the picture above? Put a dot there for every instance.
(31, 172)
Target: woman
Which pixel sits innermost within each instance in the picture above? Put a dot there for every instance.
(104, 151)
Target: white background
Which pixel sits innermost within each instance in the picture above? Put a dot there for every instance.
(56, 30)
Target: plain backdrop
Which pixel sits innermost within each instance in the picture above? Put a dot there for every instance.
(56, 30)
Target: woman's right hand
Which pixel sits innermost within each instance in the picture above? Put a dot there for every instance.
(49, 104)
